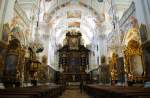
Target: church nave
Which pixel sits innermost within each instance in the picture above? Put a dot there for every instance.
(74, 49)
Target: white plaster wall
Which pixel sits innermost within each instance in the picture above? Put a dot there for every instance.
(2, 5)
(143, 13)
(6, 13)
(146, 6)
(9, 11)
(101, 41)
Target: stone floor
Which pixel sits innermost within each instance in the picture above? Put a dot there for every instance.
(74, 93)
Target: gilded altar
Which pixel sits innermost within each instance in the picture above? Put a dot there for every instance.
(134, 66)
(73, 59)
(133, 54)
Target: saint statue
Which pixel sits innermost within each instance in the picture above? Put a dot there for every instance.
(113, 67)
(14, 29)
(133, 33)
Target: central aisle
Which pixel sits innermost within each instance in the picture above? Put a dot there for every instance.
(74, 93)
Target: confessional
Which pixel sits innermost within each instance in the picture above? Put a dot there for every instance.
(73, 59)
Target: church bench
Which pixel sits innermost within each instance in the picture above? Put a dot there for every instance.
(21, 92)
(15, 96)
(98, 91)
(36, 92)
(130, 92)
(134, 93)
(58, 90)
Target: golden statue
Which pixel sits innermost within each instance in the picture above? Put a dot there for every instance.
(113, 67)
(133, 33)
(44, 59)
(12, 25)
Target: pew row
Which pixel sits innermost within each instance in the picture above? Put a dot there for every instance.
(33, 92)
(98, 91)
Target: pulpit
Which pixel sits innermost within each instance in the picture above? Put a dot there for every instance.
(73, 58)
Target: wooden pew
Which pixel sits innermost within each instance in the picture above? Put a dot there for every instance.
(15, 96)
(21, 93)
(133, 92)
(33, 92)
(98, 91)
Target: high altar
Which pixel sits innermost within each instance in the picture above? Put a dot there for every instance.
(73, 59)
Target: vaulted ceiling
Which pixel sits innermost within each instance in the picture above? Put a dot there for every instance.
(53, 20)
(95, 18)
